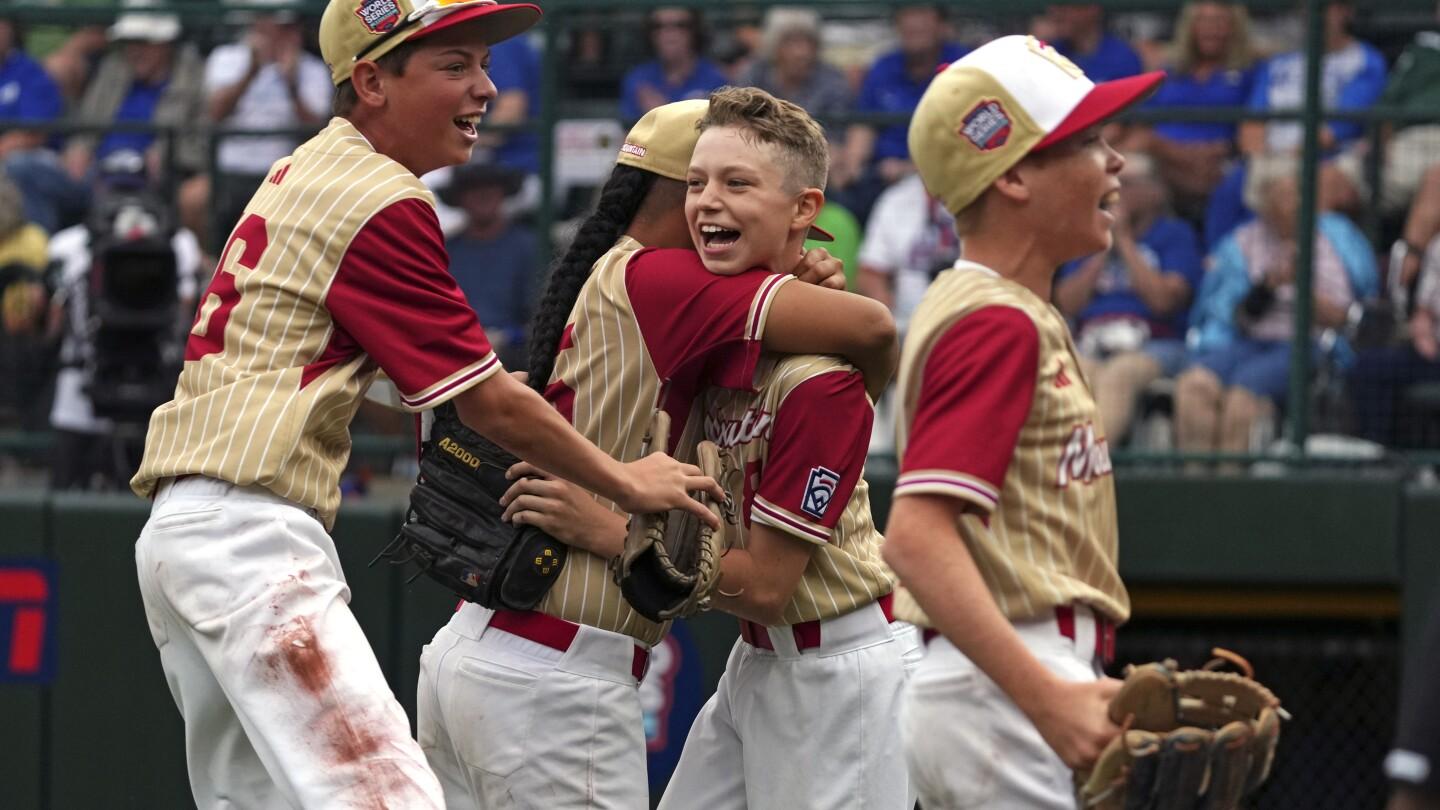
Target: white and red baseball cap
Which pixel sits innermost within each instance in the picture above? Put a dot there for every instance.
(351, 30)
(1012, 96)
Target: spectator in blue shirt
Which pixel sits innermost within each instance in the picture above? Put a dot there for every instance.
(1079, 33)
(1212, 68)
(679, 71)
(872, 160)
(1352, 78)
(1129, 303)
(27, 93)
(150, 78)
(515, 70)
(494, 260)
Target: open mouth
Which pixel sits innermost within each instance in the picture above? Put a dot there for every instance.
(466, 124)
(1108, 201)
(717, 237)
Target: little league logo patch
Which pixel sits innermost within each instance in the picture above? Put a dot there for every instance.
(818, 491)
(379, 16)
(987, 126)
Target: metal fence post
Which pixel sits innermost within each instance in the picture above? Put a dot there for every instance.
(1305, 229)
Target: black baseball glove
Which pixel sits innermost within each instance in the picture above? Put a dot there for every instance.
(454, 530)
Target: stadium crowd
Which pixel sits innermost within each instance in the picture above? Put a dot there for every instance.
(1186, 323)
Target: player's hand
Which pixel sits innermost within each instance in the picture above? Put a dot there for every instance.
(818, 267)
(1422, 335)
(659, 483)
(559, 508)
(1074, 720)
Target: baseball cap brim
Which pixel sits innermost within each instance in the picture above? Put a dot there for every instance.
(501, 22)
(819, 234)
(1103, 101)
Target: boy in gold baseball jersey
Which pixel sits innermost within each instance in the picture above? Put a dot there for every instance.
(1003, 530)
(816, 676)
(631, 320)
(336, 270)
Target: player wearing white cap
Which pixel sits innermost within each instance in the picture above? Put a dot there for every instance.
(1003, 530)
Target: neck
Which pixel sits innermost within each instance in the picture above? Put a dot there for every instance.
(679, 66)
(661, 234)
(1336, 40)
(384, 140)
(1014, 254)
(1088, 40)
(922, 64)
(487, 230)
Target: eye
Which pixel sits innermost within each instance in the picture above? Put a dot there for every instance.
(735, 182)
(456, 67)
(694, 184)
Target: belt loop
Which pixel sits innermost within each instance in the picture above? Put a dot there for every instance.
(1065, 620)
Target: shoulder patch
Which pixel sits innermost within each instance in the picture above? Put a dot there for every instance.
(818, 491)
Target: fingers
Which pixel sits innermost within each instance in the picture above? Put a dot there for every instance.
(699, 510)
(704, 483)
(526, 503)
(524, 469)
(539, 487)
(835, 282)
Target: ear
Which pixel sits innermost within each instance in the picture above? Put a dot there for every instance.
(369, 82)
(807, 208)
(1014, 183)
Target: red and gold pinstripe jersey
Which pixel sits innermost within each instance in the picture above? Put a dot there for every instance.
(650, 328)
(794, 453)
(337, 269)
(994, 410)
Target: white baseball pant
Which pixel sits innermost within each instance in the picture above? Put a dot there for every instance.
(970, 746)
(803, 730)
(283, 700)
(508, 722)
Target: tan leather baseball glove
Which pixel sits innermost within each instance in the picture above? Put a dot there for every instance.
(1199, 739)
(671, 562)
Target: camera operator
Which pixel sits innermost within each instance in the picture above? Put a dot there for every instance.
(125, 286)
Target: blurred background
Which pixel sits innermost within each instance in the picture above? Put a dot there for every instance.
(1263, 339)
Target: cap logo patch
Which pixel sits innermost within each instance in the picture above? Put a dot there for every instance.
(987, 126)
(379, 16)
(633, 149)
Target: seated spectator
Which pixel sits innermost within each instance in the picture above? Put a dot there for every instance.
(27, 93)
(680, 69)
(23, 359)
(789, 64)
(1411, 175)
(266, 80)
(872, 159)
(1078, 32)
(1129, 303)
(1243, 318)
(1382, 373)
(1211, 68)
(148, 79)
(73, 62)
(908, 240)
(494, 260)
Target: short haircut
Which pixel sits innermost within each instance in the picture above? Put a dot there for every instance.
(804, 152)
(392, 62)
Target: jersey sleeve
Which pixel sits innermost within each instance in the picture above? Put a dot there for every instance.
(394, 295)
(696, 323)
(975, 393)
(817, 455)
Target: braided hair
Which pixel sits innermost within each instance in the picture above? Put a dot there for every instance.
(620, 200)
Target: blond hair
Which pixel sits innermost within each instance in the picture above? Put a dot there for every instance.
(1239, 51)
(804, 152)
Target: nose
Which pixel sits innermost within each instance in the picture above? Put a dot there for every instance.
(1114, 161)
(485, 88)
(707, 198)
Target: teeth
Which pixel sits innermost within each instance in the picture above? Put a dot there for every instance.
(469, 119)
(712, 229)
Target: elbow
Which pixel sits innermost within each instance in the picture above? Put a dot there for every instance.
(768, 607)
(876, 329)
(899, 552)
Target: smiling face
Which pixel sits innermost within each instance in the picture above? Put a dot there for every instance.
(741, 209)
(439, 97)
(1072, 185)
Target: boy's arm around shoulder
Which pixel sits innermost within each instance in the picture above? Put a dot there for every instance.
(809, 319)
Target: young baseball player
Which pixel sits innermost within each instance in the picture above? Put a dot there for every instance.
(1003, 528)
(645, 327)
(336, 270)
(817, 674)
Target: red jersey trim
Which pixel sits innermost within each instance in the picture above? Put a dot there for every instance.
(762, 511)
(466, 378)
(945, 482)
(760, 310)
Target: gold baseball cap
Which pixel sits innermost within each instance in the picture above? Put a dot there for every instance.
(1011, 96)
(662, 141)
(351, 30)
